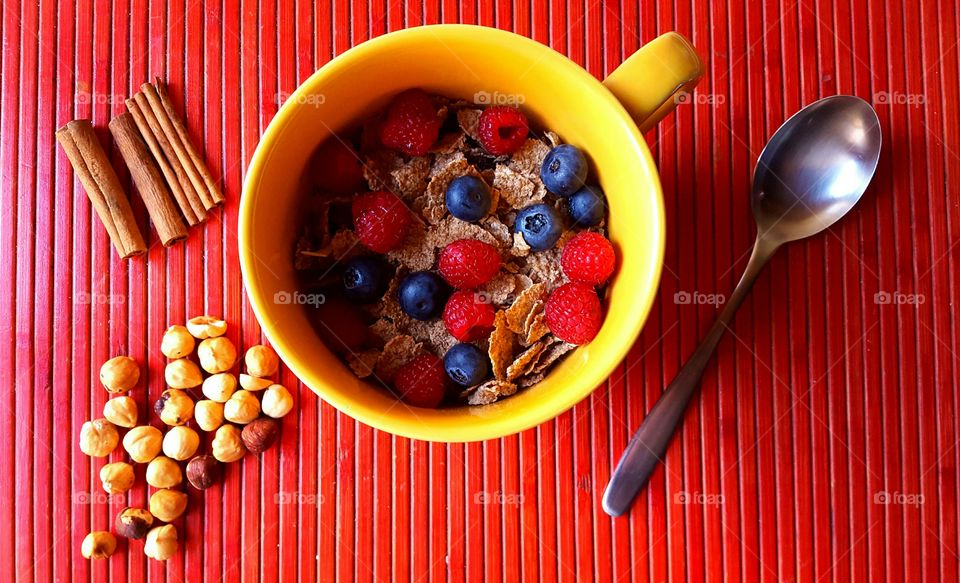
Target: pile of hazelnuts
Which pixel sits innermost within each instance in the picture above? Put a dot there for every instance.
(241, 420)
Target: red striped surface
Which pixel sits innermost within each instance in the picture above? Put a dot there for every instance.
(820, 404)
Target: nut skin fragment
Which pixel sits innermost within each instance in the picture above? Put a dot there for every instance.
(180, 443)
(203, 471)
(260, 434)
(217, 354)
(243, 407)
(116, 478)
(220, 387)
(133, 522)
(119, 374)
(163, 472)
(277, 401)
(174, 407)
(99, 544)
(98, 438)
(143, 443)
(209, 414)
(203, 327)
(167, 505)
(161, 542)
(261, 361)
(252, 383)
(227, 444)
(121, 411)
(182, 374)
(177, 342)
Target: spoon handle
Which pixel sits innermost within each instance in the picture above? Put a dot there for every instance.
(649, 443)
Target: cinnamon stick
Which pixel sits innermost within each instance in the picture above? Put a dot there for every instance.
(94, 171)
(149, 182)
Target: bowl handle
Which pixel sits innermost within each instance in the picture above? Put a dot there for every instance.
(652, 81)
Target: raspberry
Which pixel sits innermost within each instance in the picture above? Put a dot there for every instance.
(381, 220)
(336, 168)
(502, 129)
(573, 313)
(588, 258)
(412, 124)
(340, 325)
(468, 263)
(422, 382)
(466, 318)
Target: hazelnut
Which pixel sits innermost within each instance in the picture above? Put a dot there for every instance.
(163, 472)
(261, 361)
(277, 401)
(99, 544)
(206, 327)
(119, 374)
(252, 383)
(180, 443)
(117, 477)
(133, 522)
(161, 543)
(174, 407)
(167, 505)
(121, 411)
(227, 445)
(177, 342)
(98, 438)
(219, 387)
(260, 434)
(209, 414)
(242, 407)
(182, 374)
(217, 354)
(143, 443)
(203, 471)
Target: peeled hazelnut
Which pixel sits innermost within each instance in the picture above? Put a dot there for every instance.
(242, 407)
(177, 342)
(227, 445)
(98, 438)
(182, 374)
(143, 443)
(163, 472)
(219, 387)
(217, 354)
(167, 505)
(180, 443)
(174, 407)
(161, 543)
(209, 414)
(206, 327)
(133, 522)
(252, 383)
(117, 477)
(261, 361)
(121, 411)
(277, 401)
(99, 544)
(203, 471)
(259, 435)
(119, 374)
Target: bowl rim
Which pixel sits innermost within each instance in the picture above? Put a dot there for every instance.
(592, 376)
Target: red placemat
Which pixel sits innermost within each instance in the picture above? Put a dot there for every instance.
(823, 443)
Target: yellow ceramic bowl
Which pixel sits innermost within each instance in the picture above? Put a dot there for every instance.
(468, 61)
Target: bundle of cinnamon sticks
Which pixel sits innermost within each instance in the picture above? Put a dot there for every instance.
(166, 167)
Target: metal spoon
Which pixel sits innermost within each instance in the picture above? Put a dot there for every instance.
(811, 172)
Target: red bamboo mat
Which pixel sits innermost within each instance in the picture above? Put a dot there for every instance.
(823, 443)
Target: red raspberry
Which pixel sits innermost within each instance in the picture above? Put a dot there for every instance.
(422, 381)
(502, 129)
(466, 318)
(588, 258)
(412, 124)
(468, 263)
(340, 325)
(381, 220)
(336, 168)
(573, 313)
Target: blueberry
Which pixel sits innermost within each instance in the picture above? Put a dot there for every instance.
(365, 278)
(564, 170)
(587, 206)
(540, 226)
(422, 295)
(468, 198)
(466, 364)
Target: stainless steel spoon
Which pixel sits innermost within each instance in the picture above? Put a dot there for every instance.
(811, 172)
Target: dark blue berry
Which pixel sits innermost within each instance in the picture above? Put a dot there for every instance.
(422, 295)
(466, 364)
(540, 226)
(587, 206)
(365, 278)
(468, 198)
(564, 170)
